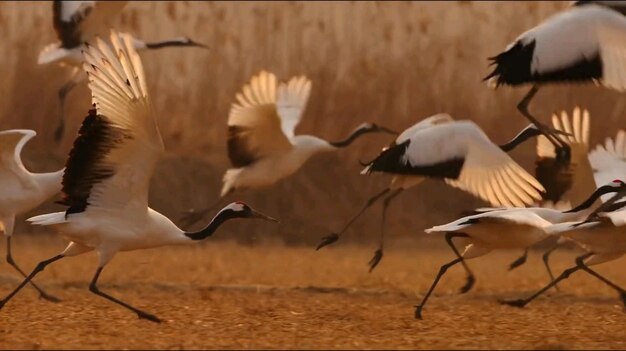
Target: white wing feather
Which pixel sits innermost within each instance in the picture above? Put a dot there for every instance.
(487, 172)
(117, 82)
(291, 101)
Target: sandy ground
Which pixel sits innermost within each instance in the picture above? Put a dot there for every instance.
(222, 295)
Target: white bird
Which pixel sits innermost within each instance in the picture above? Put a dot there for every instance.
(601, 235)
(262, 145)
(510, 228)
(567, 182)
(462, 155)
(583, 43)
(21, 190)
(77, 22)
(107, 177)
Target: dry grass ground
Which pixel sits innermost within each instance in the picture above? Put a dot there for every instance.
(224, 295)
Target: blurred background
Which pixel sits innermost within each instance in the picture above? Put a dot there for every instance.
(392, 63)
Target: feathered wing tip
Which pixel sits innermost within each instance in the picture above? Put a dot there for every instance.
(259, 91)
(51, 53)
(48, 219)
(577, 127)
(295, 92)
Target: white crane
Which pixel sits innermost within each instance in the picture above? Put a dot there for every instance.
(106, 181)
(462, 155)
(77, 22)
(262, 145)
(601, 235)
(510, 228)
(566, 182)
(583, 43)
(21, 190)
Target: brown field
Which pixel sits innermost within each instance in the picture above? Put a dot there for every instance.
(225, 295)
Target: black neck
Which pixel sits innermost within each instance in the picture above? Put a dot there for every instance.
(169, 43)
(606, 189)
(221, 217)
(525, 134)
(355, 135)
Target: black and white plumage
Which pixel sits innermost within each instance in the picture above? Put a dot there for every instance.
(568, 181)
(107, 177)
(584, 43)
(77, 23)
(457, 152)
(601, 235)
(510, 228)
(263, 147)
(21, 190)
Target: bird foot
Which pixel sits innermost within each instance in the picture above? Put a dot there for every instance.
(622, 296)
(518, 262)
(469, 284)
(418, 312)
(48, 297)
(515, 303)
(327, 240)
(148, 316)
(378, 255)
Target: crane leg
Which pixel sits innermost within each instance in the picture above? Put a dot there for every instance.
(42, 293)
(327, 240)
(442, 271)
(519, 261)
(40, 267)
(546, 257)
(378, 255)
(566, 273)
(621, 291)
(94, 289)
(562, 148)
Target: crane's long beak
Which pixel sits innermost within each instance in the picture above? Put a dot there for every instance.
(256, 214)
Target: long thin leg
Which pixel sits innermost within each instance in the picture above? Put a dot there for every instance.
(442, 271)
(42, 293)
(562, 148)
(378, 255)
(470, 279)
(40, 267)
(566, 273)
(519, 261)
(621, 291)
(327, 240)
(546, 257)
(94, 289)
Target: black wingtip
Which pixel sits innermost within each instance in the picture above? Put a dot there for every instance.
(327, 240)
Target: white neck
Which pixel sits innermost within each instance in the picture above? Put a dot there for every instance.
(49, 183)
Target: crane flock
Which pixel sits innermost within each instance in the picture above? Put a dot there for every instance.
(576, 195)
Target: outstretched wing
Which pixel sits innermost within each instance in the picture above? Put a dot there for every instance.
(291, 99)
(11, 144)
(462, 155)
(608, 161)
(254, 126)
(76, 22)
(566, 182)
(112, 160)
(491, 174)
